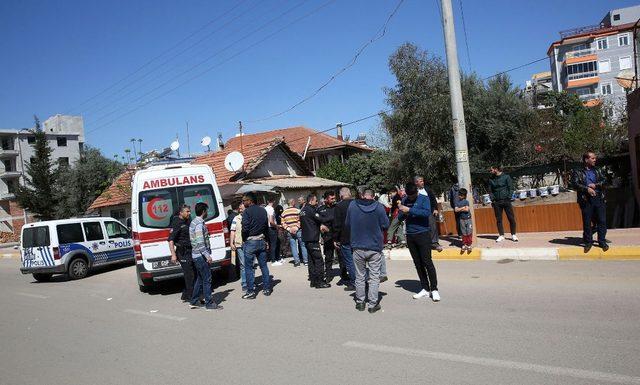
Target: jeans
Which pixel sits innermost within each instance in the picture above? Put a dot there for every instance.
(243, 278)
(203, 282)
(458, 227)
(364, 259)
(347, 257)
(295, 241)
(498, 206)
(433, 225)
(256, 249)
(274, 254)
(396, 229)
(594, 208)
(420, 249)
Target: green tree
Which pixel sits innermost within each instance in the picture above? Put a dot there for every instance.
(372, 170)
(40, 177)
(79, 185)
(334, 170)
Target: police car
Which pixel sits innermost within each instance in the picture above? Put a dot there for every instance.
(73, 246)
(158, 191)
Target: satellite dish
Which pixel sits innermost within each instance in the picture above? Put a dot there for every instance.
(626, 79)
(206, 141)
(234, 161)
(175, 145)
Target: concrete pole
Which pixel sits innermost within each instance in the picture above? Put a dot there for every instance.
(24, 180)
(457, 109)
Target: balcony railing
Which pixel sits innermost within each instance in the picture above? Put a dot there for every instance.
(589, 96)
(582, 75)
(580, 53)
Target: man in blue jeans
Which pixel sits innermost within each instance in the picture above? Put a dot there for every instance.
(201, 254)
(255, 233)
(290, 218)
(235, 237)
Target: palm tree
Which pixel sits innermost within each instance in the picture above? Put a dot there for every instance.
(140, 145)
(127, 151)
(133, 145)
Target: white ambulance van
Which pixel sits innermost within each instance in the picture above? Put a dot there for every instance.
(157, 193)
(73, 246)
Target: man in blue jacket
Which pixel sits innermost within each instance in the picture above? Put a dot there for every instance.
(415, 210)
(366, 220)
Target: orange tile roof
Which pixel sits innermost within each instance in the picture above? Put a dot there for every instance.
(296, 138)
(605, 31)
(118, 193)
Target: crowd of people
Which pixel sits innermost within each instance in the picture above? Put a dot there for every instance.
(353, 231)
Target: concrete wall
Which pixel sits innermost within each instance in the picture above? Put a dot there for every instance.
(626, 15)
(277, 163)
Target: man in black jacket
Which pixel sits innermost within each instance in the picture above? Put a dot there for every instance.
(342, 239)
(310, 223)
(326, 212)
(589, 183)
(180, 247)
(255, 238)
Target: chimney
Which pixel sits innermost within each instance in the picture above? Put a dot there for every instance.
(339, 129)
(220, 142)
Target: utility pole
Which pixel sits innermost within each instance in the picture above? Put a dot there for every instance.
(457, 109)
(188, 145)
(240, 129)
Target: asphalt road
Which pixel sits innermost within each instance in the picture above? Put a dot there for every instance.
(572, 322)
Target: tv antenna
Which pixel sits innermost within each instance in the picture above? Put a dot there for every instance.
(205, 142)
(175, 146)
(234, 161)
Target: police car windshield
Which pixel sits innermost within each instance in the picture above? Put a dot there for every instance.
(157, 207)
(35, 237)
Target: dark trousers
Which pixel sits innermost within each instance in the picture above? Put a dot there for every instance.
(420, 248)
(316, 265)
(329, 255)
(458, 229)
(202, 286)
(433, 225)
(498, 207)
(274, 250)
(594, 210)
(189, 273)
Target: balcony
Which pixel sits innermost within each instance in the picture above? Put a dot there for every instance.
(586, 97)
(9, 174)
(8, 153)
(582, 79)
(581, 56)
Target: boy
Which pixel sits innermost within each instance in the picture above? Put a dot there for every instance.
(462, 209)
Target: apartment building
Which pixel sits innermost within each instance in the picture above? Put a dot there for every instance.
(537, 90)
(589, 60)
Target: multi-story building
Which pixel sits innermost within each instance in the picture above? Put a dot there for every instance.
(589, 60)
(537, 89)
(65, 135)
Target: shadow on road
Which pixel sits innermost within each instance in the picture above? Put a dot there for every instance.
(94, 272)
(573, 241)
(411, 285)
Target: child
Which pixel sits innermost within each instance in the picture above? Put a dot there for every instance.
(466, 228)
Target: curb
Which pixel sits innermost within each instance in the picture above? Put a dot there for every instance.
(615, 253)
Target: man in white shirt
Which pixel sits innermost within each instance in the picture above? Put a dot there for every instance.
(273, 233)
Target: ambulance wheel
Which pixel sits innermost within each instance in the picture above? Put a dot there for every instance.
(143, 289)
(78, 268)
(42, 277)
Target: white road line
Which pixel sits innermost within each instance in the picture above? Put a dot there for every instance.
(33, 295)
(155, 315)
(491, 362)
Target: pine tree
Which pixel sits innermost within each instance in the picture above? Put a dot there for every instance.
(37, 196)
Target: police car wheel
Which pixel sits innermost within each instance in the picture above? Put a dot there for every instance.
(78, 269)
(42, 277)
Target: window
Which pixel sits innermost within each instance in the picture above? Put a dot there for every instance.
(116, 230)
(582, 70)
(118, 214)
(69, 233)
(604, 66)
(35, 237)
(605, 89)
(625, 62)
(623, 40)
(7, 144)
(11, 186)
(31, 139)
(62, 142)
(157, 207)
(616, 17)
(602, 43)
(93, 230)
(63, 161)
(7, 165)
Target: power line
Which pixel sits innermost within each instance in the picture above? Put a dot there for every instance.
(516, 68)
(466, 38)
(154, 59)
(380, 33)
(315, 10)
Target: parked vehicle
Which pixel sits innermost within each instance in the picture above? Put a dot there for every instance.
(73, 246)
(158, 191)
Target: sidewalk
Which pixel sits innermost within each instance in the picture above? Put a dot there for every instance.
(624, 245)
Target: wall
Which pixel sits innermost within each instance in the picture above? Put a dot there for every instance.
(276, 163)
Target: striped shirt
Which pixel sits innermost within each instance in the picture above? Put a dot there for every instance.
(199, 235)
(290, 217)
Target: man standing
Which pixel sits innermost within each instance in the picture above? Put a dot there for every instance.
(367, 219)
(326, 213)
(180, 247)
(415, 209)
(589, 181)
(500, 190)
(255, 233)
(301, 202)
(291, 224)
(342, 239)
(273, 233)
(235, 237)
(396, 229)
(201, 253)
(453, 201)
(433, 225)
(310, 221)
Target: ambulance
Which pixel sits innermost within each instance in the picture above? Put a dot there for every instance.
(157, 192)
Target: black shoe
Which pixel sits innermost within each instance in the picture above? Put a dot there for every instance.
(604, 247)
(323, 285)
(267, 293)
(349, 287)
(587, 248)
(311, 284)
(360, 306)
(296, 264)
(249, 295)
(384, 278)
(375, 308)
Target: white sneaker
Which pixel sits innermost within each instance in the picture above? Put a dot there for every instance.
(276, 263)
(435, 296)
(500, 239)
(421, 294)
(514, 238)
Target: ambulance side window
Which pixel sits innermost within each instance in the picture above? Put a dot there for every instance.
(69, 233)
(93, 230)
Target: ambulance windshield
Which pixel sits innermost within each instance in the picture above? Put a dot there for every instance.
(158, 207)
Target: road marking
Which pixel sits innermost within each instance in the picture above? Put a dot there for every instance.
(155, 315)
(492, 362)
(33, 295)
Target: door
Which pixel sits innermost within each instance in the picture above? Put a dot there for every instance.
(36, 248)
(120, 243)
(96, 242)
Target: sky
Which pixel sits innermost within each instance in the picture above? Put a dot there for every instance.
(143, 69)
